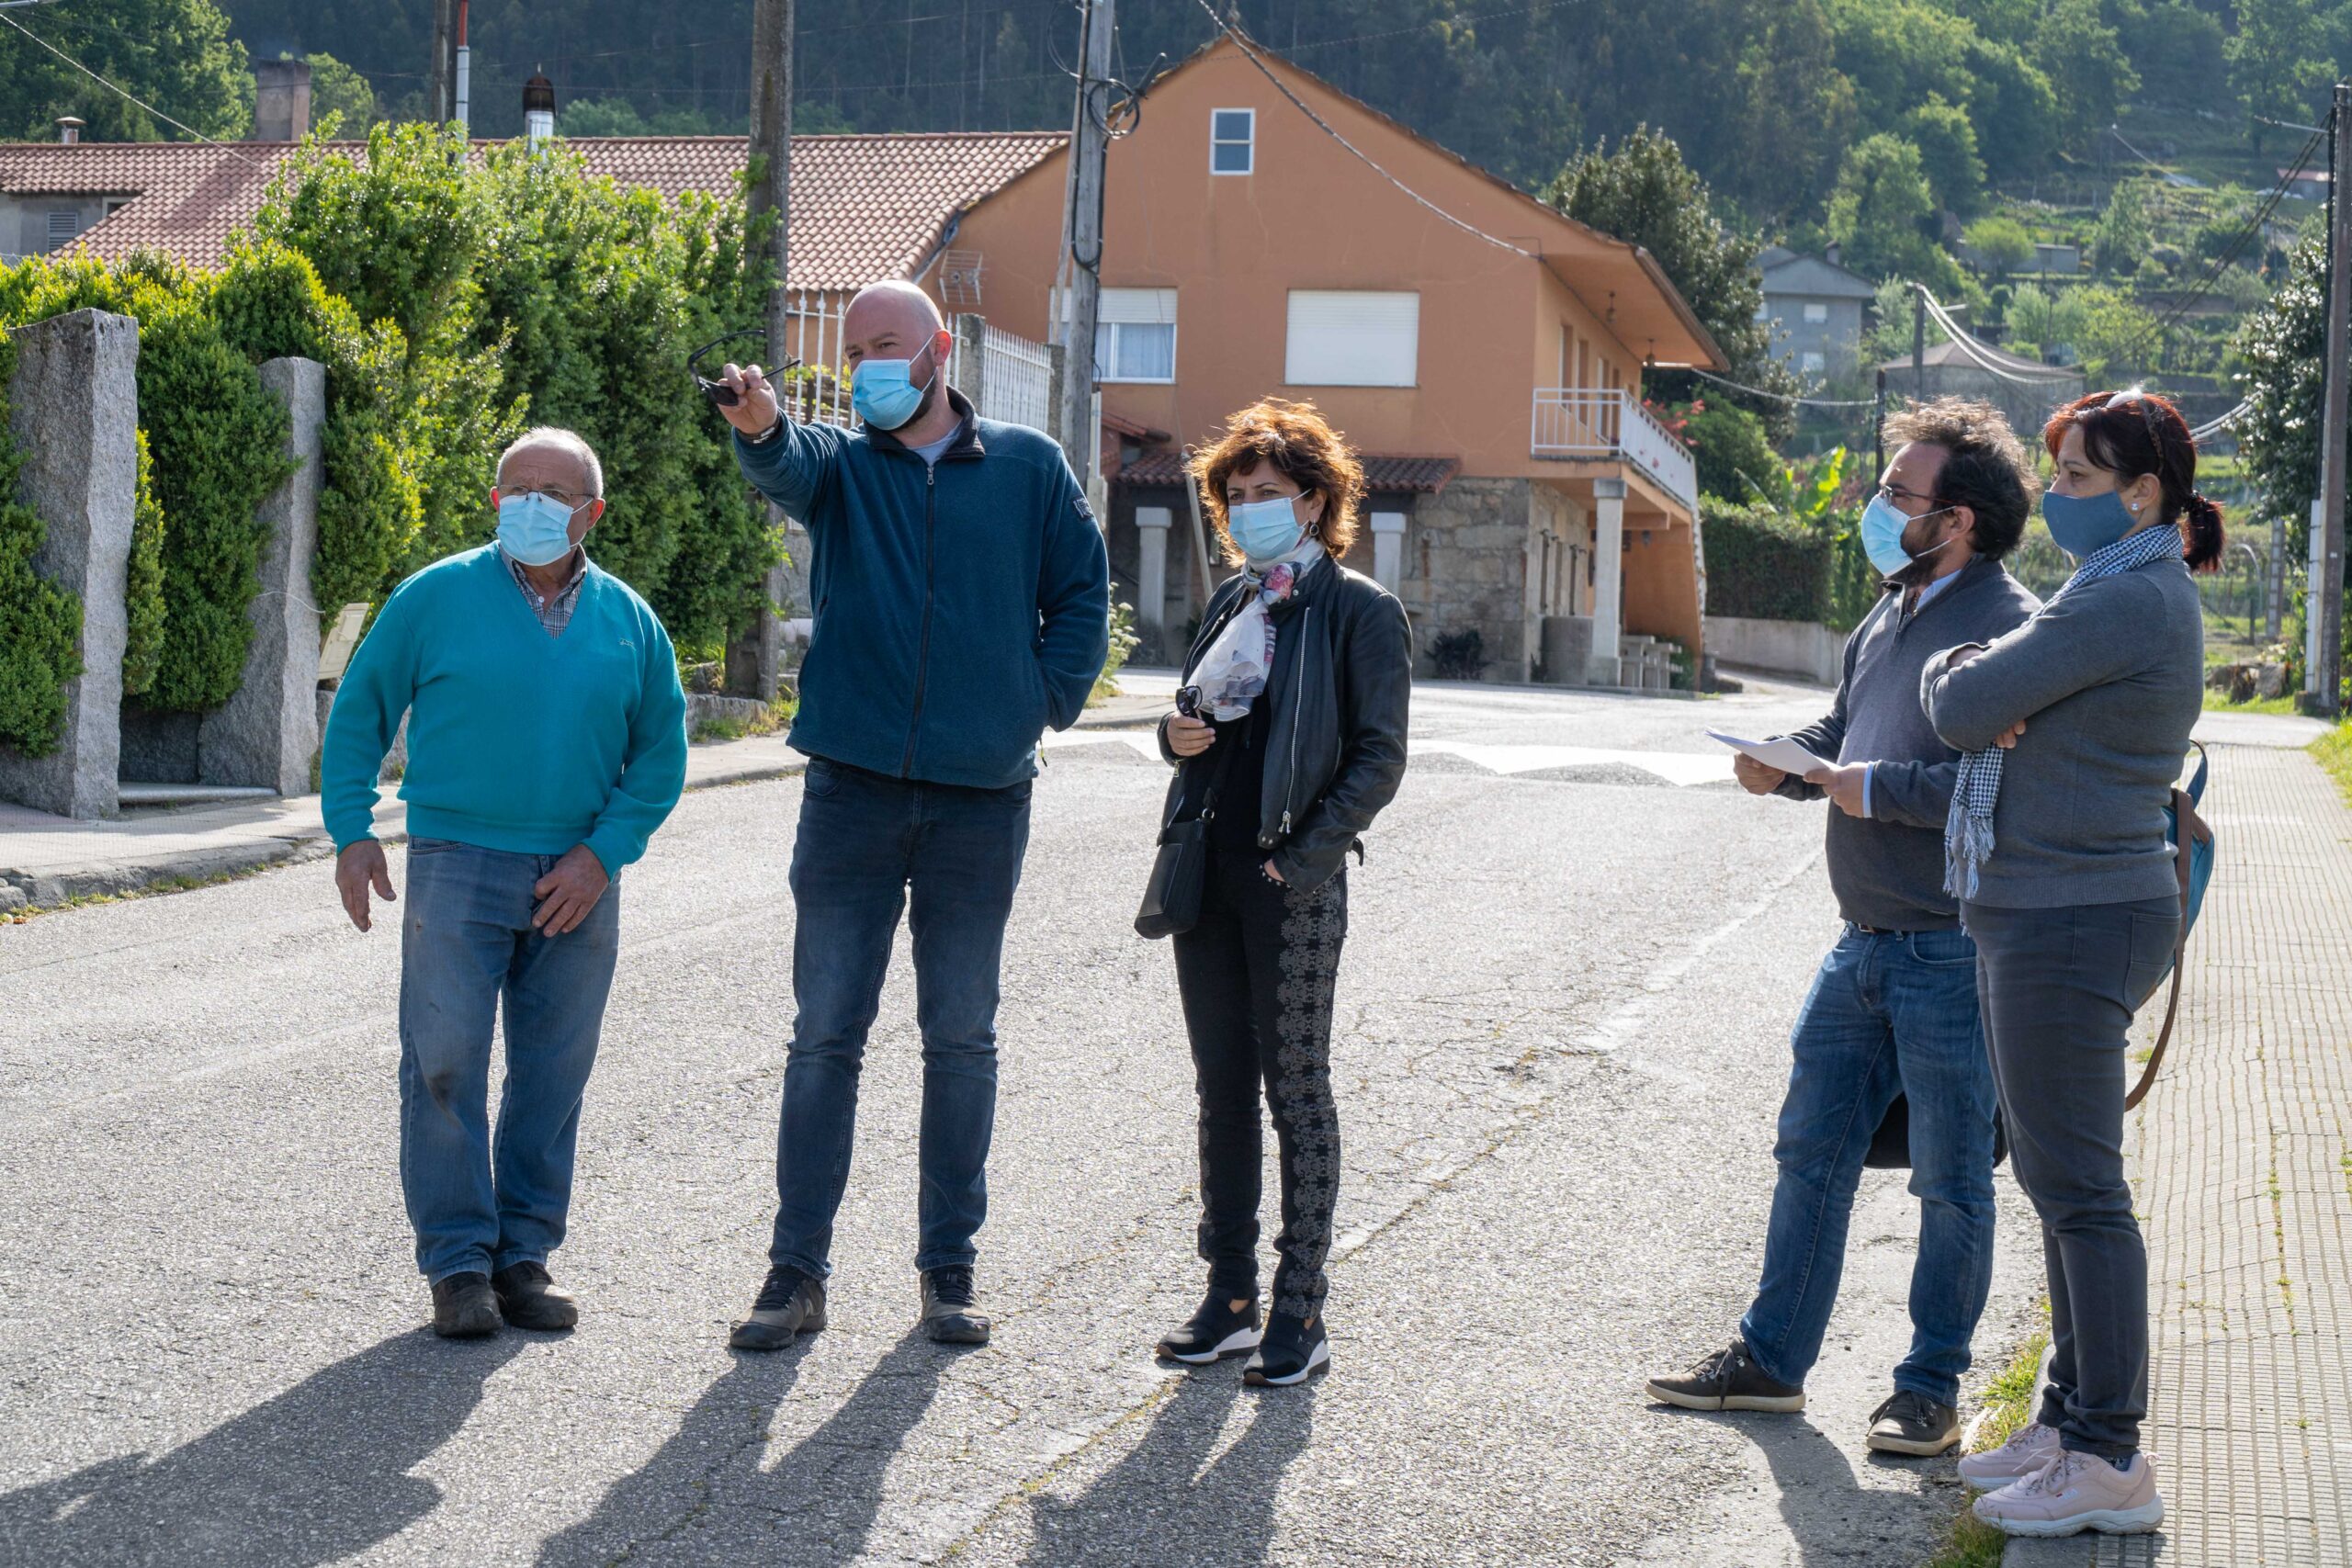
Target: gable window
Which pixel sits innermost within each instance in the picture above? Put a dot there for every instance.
(1816, 313)
(1134, 335)
(115, 204)
(1352, 338)
(1233, 140)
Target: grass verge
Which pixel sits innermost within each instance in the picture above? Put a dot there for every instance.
(2217, 703)
(777, 717)
(2008, 1404)
(2334, 752)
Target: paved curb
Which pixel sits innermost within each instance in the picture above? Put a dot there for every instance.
(26, 893)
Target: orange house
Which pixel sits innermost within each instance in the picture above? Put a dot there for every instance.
(1491, 378)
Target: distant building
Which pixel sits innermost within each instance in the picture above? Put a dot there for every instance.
(2026, 391)
(1816, 309)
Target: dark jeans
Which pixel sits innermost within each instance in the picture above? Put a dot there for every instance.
(870, 848)
(1887, 1013)
(478, 1202)
(2059, 988)
(1257, 974)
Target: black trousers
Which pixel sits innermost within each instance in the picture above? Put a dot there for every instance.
(1257, 974)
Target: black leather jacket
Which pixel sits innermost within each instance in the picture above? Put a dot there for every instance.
(1335, 750)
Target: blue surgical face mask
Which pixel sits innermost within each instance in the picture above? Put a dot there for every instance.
(535, 529)
(1266, 530)
(2082, 524)
(1883, 525)
(884, 393)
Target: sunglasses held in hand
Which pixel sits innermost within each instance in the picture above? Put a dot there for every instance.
(719, 392)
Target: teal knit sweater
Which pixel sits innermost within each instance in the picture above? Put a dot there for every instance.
(517, 741)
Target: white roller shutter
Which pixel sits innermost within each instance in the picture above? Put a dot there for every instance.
(1350, 338)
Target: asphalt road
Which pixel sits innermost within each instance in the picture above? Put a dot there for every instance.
(1563, 1015)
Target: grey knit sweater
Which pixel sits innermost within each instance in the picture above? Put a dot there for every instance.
(2110, 681)
(1888, 870)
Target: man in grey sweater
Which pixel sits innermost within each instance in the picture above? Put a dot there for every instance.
(1893, 1012)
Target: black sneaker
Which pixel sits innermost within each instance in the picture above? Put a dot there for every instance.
(1728, 1379)
(789, 1304)
(1214, 1332)
(530, 1298)
(465, 1307)
(1913, 1424)
(949, 1314)
(1293, 1350)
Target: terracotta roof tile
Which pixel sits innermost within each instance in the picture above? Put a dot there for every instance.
(1381, 472)
(862, 207)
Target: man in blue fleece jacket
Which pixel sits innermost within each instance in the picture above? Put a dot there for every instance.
(962, 604)
(547, 741)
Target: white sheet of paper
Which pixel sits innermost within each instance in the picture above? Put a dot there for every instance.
(1785, 755)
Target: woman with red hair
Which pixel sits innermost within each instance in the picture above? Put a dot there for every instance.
(2074, 727)
(1288, 738)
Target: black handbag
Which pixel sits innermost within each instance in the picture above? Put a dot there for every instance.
(1890, 1145)
(1171, 900)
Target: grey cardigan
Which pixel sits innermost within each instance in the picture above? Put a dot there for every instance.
(2109, 679)
(1888, 870)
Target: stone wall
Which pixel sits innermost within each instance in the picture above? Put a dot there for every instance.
(1466, 566)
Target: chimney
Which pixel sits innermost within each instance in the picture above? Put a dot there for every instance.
(538, 110)
(69, 130)
(282, 100)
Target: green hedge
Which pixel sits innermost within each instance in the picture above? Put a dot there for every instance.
(39, 624)
(142, 646)
(1765, 566)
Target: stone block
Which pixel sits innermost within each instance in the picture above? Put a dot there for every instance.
(74, 414)
(267, 733)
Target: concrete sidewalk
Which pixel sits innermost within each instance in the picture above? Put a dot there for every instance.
(47, 861)
(2242, 1171)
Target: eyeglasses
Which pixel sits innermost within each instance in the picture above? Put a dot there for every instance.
(1892, 493)
(556, 493)
(719, 392)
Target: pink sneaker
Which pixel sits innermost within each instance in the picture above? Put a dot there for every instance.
(2030, 1448)
(2077, 1491)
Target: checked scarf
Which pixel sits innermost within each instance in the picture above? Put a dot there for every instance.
(1968, 831)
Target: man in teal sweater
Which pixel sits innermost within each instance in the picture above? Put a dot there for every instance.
(545, 742)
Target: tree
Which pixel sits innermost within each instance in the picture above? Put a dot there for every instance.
(2278, 58)
(2284, 349)
(1643, 192)
(2080, 53)
(174, 54)
(2014, 109)
(337, 90)
(1947, 144)
(2003, 243)
(619, 117)
(2119, 241)
(1879, 209)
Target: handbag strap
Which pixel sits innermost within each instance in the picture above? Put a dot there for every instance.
(2188, 828)
(1221, 765)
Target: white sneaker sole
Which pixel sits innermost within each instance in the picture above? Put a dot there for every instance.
(1771, 1405)
(1233, 1344)
(1317, 1359)
(2107, 1521)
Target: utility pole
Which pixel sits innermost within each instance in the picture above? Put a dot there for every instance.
(2324, 602)
(1082, 237)
(755, 661)
(462, 108)
(1918, 342)
(441, 83)
(1878, 433)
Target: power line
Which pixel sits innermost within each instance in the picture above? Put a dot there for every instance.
(1982, 353)
(2215, 427)
(2221, 263)
(124, 93)
(1296, 101)
(1784, 397)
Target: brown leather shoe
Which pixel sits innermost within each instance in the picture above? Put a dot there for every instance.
(464, 1306)
(531, 1300)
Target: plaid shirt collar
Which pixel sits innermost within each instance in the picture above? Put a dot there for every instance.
(554, 610)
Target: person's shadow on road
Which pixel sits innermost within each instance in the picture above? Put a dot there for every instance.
(1832, 1516)
(705, 1499)
(312, 1476)
(1159, 1505)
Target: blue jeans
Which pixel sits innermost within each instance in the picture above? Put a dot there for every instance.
(949, 858)
(480, 1203)
(1888, 1013)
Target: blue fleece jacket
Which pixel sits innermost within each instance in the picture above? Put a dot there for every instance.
(517, 741)
(960, 607)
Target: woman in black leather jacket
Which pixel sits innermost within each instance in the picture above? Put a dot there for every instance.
(1304, 671)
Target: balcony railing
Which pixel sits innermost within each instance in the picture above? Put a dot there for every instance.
(1598, 422)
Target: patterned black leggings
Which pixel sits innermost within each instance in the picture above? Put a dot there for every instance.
(1257, 974)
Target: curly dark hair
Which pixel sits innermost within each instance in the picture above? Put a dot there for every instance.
(1304, 448)
(1985, 468)
(2133, 432)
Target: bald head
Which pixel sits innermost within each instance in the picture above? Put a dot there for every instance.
(897, 321)
(892, 304)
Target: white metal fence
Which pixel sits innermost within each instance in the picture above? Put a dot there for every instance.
(1013, 380)
(1601, 422)
(1017, 379)
(813, 387)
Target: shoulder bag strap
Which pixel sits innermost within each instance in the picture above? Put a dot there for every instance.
(2186, 828)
